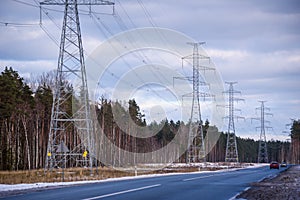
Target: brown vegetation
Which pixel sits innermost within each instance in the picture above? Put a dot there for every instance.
(285, 186)
(59, 175)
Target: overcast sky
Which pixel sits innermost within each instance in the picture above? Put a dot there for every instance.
(256, 43)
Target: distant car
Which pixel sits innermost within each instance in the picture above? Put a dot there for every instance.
(283, 164)
(274, 165)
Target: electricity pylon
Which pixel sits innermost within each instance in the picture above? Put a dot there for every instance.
(262, 149)
(71, 138)
(196, 145)
(231, 145)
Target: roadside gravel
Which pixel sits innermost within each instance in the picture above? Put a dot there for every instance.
(284, 186)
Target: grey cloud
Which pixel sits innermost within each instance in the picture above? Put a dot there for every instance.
(262, 38)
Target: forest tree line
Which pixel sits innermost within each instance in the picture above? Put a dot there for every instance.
(25, 114)
(295, 142)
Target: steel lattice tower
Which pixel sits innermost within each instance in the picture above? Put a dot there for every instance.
(231, 145)
(196, 144)
(262, 149)
(71, 135)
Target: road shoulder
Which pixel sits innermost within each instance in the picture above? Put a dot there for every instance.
(284, 186)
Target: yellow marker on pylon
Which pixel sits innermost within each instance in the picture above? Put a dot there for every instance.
(84, 154)
(49, 154)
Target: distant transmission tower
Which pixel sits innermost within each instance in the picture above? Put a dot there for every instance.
(196, 144)
(70, 140)
(231, 145)
(262, 149)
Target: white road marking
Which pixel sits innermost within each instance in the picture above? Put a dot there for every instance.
(220, 174)
(199, 177)
(234, 197)
(122, 192)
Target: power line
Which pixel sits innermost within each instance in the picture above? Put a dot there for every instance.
(139, 55)
(127, 15)
(49, 35)
(26, 3)
(119, 20)
(2, 23)
(147, 14)
(153, 24)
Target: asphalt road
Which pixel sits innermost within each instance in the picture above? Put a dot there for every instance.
(216, 185)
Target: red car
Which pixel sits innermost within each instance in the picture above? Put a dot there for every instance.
(274, 165)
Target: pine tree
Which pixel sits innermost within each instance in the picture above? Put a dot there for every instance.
(295, 136)
(16, 104)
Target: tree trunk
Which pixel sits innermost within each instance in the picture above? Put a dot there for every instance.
(27, 142)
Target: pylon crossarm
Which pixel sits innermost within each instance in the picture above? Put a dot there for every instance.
(78, 2)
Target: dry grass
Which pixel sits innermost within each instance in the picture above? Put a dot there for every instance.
(83, 174)
(72, 174)
(58, 175)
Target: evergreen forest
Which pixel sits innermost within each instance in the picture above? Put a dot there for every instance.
(25, 114)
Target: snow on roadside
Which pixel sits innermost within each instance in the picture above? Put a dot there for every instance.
(216, 165)
(14, 187)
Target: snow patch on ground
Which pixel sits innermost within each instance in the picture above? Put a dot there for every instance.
(15, 187)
